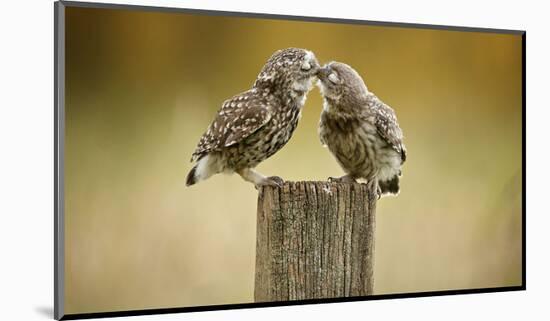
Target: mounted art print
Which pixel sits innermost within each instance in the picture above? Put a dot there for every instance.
(213, 160)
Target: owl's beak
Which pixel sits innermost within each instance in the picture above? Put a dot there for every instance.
(323, 73)
(316, 67)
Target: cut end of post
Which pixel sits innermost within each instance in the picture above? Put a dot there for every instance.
(329, 188)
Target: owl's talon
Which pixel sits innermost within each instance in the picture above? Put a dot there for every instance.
(343, 179)
(378, 192)
(278, 181)
(274, 181)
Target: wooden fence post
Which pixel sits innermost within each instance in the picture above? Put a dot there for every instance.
(314, 240)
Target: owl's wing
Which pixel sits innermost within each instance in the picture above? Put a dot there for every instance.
(388, 128)
(238, 118)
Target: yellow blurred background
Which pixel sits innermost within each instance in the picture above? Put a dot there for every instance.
(141, 88)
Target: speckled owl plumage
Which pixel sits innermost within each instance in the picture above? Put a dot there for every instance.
(253, 125)
(360, 130)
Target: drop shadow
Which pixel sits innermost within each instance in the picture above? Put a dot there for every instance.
(45, 311)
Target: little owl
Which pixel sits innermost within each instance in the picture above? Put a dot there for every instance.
(360, 130)
(254, 125)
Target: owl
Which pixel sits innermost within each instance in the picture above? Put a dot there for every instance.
(253, 125)
(360, 130)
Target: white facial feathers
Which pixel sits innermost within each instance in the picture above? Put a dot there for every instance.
(309, 59)
(333, 78)
(310, 56)
(303, 85)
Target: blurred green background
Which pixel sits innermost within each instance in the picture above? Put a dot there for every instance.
(142, 87)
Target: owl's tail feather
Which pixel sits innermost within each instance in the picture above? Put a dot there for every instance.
(192, 177)
(206, 166)
(389, 187)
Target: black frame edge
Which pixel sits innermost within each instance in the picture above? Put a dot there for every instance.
(287, 303)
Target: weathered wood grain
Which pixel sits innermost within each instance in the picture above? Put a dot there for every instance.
(314, 240)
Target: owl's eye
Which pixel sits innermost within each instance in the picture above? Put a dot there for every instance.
(306, 66)
(333, 78)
